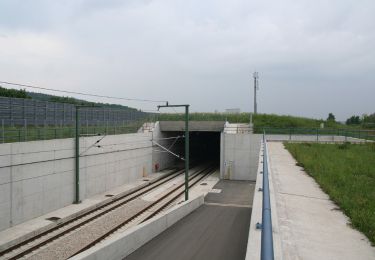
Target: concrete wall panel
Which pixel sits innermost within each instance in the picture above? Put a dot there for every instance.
(239, 156)
(5, 175)
(38, 177)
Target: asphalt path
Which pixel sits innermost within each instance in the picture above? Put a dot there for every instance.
(216, 230)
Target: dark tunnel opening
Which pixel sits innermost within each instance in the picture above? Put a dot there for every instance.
(204, 147)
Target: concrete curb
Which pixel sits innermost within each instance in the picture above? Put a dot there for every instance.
(123, 244)
(254, 238)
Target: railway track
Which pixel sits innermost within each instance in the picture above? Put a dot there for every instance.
(96, 225)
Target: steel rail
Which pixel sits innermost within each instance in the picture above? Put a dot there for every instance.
(139, 213)
(177, 196)
(140, 191)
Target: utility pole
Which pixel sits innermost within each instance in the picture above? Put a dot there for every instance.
(186, 145)
(256, 87)
(77, 200)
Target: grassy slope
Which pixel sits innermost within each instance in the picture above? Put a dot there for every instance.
(346, 173)
(260, 120)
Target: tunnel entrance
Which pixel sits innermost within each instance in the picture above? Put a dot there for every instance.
(204, 147)
(231, 147)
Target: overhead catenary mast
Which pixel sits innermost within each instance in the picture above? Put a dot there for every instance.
(256, 87)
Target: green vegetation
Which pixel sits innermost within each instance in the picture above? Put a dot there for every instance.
(369, 120)
(6, 92)
(331, 117)
(232, 118)
(366, 121)
(74, 101)
(353, 120)
(281, 121)
(346, 172)
(260, 120)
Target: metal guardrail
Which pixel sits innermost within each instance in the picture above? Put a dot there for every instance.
(364, 134)
(266, 252)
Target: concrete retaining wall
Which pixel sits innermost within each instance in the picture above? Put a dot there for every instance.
(123, 244)
(161, 157)
(39, 177)
(239, 156)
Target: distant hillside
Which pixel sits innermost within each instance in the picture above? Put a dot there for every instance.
(6, 92)
(71, 100)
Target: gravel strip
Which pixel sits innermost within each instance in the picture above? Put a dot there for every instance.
(68, 245)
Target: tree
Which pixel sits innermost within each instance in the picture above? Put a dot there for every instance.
(331, 117)
(353, 120)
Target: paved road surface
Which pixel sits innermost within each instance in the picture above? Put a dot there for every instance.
(217, 230)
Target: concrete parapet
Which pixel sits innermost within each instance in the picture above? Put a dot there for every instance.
(254, 239)
(179, 126)
(121, 245)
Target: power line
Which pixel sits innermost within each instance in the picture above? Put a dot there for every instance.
(81, 93)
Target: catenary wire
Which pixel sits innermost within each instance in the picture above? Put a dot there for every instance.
(81, 93)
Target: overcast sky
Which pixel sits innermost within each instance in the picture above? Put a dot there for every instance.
(313, 57)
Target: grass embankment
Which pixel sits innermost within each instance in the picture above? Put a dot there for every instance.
(260, 120)
(274, 124)
(346, 172)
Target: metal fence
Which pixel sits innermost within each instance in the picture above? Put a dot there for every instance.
(27, 120)
(29, 112)
(319, 132)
